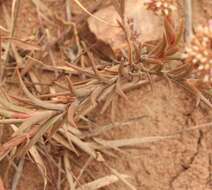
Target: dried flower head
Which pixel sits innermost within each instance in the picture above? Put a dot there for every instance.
(161, 7)
(199, 52)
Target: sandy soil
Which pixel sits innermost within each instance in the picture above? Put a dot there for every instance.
(178, 164)
(181, 163)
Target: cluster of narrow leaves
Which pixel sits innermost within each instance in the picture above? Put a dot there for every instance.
(53, 120)
(199, 53)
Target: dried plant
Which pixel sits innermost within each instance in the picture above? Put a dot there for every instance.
(53, 119)
(199, 54)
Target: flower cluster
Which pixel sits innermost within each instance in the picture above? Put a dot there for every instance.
(161, 7)
(199, 52)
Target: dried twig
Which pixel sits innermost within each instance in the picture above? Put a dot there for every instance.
(18, 174)
(14, 16)
(101, 182)
(188, 20)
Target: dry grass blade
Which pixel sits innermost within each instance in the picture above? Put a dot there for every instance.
(204, 99)
(131, 142)
(61, 140)
(40, 164)
(192, 89)
(44, 12)
(63, 137)
(107, 103)
(195, 127)
(100, 183)
(73, 68)
(22, 44)
(3, 29)
(41, 131)
(65, 133)
(102, 129)
(180, 32)
(84, 167)
(18, 174)
(6, 113)
(170, 32)
(1, 64)
(105, 93)
(83, 146)
(11, 45)
(188, 20)
(15, 141)
(90, 14)
(119, 91)
(59, 174)
(120, 176)
(71, 111)
(114, 105)
(38, 161)
(93, 66)
(35, 80)
(11, 121)
(134, 85)
(95, 94)
(41, 6)
(68, 10)
(37, 101)
(36, 118)
(14, 16)
(13, 107)
(69, 174)
(73, 130)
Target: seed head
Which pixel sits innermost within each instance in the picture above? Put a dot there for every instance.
(199, 53)
(161, 7)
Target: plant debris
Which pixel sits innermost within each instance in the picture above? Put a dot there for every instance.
(56, 115)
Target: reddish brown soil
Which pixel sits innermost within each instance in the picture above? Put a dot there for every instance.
(182, 163)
